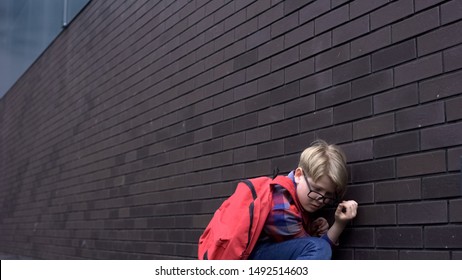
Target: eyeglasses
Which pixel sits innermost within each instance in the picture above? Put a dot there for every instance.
(330, 201)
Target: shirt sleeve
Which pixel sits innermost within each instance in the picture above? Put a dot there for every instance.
(284, 222)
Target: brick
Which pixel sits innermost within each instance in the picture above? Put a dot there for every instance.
(316, 82)
(285, 58)
(454, 159)
(248, 153)
(223, 99)
(351, 70)
(258, 168)
(423, 4)
(222, 159)
(298, 35)
(193, 151)
(423, 212)
(244, 91)
(235, 79)
(285, 164)
(396, 98)
(373, 127)
(397, 144)
(223, 69)
(443, 237)
(423, 255)
(457, 255)
(255, 9)
(257, 102)
(245, 29)
(287, 92)
(316, 45)
(350, 30)
(361, 7)
(336, 134)
(441, 136)
(258, 38)
(292, 6)
(391, 12)
(375, 215)
(353, 110)
(358, 151)
(257, 135)
(376, 254)
(332, 57)
(442, 86)
(271, 15)
(234, 140)
(245, 122)
(299, 70)
(420, 116)
(258, 70)
(420, 164)
(441, 186)
(202, 134)
(394, 55)
(246, 59)
(222, 128)
(297, 143)
(271, 81)
(439, 39)
(371, 171)
(398, 190)
(402, 237)
(333, 96)
(372, 84)
(285, 128)
(371, 42)
(270, 115)
(313, 10)
(415, 25)
(268, 49)
(299, 106)
(270, 149)
(419, 69)
(455, 208)
(358, 237)
(452, 59)
(233, 172)
(233, 110)
(283, 25)
(234, 19)
(332, 19)
(451, 11)
(360, 193)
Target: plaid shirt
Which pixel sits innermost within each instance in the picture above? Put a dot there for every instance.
(286, 220)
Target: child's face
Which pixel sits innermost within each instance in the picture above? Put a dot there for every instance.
(321, 191)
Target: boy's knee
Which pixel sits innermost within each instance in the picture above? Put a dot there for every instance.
(325, 249)
(320, 248)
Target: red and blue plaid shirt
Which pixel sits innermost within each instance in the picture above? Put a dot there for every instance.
(286, 220)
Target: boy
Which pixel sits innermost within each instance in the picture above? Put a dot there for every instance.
(319, 180)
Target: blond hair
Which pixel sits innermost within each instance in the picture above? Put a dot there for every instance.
(323, 159)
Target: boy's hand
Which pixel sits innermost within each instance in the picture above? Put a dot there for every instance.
(346, 211)
(319, 227)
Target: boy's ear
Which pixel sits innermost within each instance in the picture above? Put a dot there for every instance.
(298, 174)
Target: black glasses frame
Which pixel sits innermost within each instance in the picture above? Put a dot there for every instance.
(330, 201)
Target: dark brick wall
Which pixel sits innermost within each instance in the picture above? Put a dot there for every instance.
(130, 130)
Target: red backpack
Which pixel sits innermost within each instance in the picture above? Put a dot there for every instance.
(236, 225)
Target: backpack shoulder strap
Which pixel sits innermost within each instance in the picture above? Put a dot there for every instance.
(285, 182)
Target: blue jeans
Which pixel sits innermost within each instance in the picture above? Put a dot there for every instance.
(307, 248)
